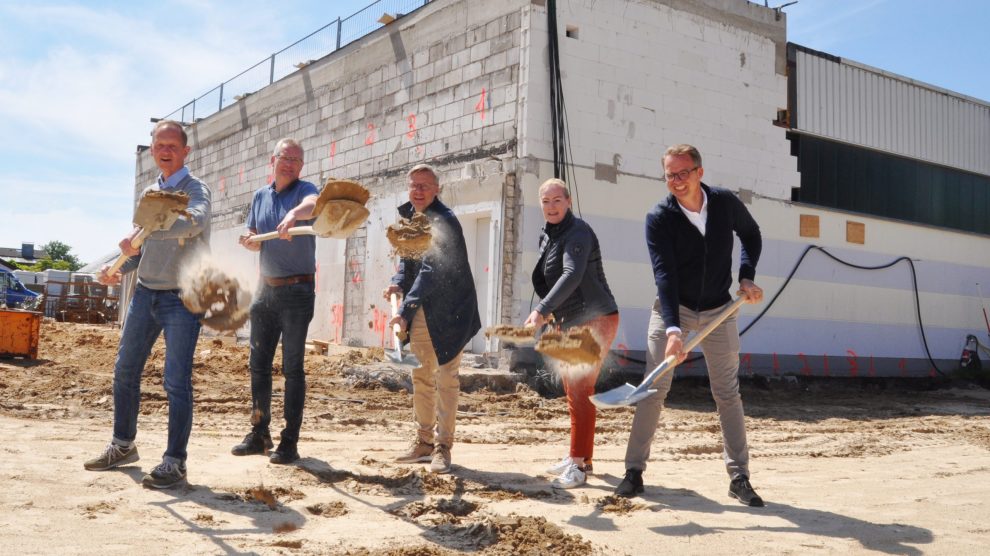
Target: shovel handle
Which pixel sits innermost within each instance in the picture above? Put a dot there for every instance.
(136, 242)
(670, 362)
(296, 231)
(393, 300)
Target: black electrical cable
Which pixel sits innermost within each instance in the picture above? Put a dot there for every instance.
(914, 282)
(562, 153)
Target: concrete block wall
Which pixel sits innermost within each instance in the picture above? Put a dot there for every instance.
(639, 76)
(440, 85)
(642, 75)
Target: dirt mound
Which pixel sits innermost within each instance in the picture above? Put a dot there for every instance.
(328, 509)
(410, 237)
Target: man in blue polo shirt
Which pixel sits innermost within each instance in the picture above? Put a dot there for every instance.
(284, 302)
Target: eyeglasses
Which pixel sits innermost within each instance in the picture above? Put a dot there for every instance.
(678, 176)
(289, 159)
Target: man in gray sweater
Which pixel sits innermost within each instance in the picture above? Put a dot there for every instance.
(156, 308)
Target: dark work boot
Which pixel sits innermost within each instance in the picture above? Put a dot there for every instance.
(741, 490)
(285, 453)
(631, 485)
(254, 443)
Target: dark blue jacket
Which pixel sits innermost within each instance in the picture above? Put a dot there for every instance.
(569, 277)
(442, 283)
(694, 270)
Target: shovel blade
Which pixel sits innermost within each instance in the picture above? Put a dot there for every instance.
(399, 359)
(624, 395)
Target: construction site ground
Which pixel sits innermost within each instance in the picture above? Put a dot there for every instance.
(845, 467)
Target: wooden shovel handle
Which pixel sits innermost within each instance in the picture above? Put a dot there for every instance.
(136, 243)
(296, 231)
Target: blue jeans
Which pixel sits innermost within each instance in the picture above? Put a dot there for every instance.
(152, 312)
(283, 311)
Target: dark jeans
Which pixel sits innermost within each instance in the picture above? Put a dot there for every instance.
(285, 312)
(150, 313)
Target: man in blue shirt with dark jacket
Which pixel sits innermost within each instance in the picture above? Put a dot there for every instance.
(440, 310)
(689, 236)
(284, 303)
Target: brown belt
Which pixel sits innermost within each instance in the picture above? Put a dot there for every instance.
(289, 280)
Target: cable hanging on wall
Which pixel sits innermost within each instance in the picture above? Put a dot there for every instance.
(562, 155)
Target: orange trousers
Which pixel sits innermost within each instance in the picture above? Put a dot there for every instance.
(581, 386)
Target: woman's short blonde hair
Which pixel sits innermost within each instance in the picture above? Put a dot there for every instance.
(554, 182)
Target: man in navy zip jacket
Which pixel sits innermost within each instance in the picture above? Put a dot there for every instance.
(689, 236)
(440, 311)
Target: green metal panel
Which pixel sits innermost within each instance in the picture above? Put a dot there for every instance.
(846, 177)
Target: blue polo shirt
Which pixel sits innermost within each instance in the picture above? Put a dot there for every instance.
(281, 258)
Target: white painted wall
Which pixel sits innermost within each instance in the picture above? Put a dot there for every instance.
(642, 75)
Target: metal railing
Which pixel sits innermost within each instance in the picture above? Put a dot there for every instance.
(325, 40)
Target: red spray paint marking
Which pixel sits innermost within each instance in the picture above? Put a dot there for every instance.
(825, 357)
(411, 118)
(333, 152)
(223, 185)
(902, 365)
(370, 137)
(356, 278)
(481, 106)
(931, 372)
(240, 175)
(853, 365)
(806, 369)
(420, 150)
(747, 360)
(623, 351)
(776, 364)
(337, 321)
(379, 323)
(873, 370)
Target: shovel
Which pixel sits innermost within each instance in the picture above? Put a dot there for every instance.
(395, 355)
(627, 394)
(157, 210)
(339, 212)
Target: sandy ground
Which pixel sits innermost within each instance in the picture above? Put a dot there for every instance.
(855, 469)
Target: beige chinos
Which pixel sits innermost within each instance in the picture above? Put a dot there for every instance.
(435, 386)
(721, 349)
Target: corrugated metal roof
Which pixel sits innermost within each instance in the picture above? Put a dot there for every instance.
(854, 103)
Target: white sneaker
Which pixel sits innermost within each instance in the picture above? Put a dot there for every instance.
(570, 478)
(560, 466)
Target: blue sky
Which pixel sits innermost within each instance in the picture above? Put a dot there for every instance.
(79, 81)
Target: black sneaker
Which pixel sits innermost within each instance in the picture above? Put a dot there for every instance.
(631, 485)
(254, 443)
(165, 475)
(285, 454)
(741, 490)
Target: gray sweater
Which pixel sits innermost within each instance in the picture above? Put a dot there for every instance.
(164, 252)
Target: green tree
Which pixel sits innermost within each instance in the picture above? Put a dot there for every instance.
(58, 256)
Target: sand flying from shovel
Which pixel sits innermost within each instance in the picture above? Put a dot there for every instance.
(515, 335)
(222, 298)
(411, 237)
(574, 352)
